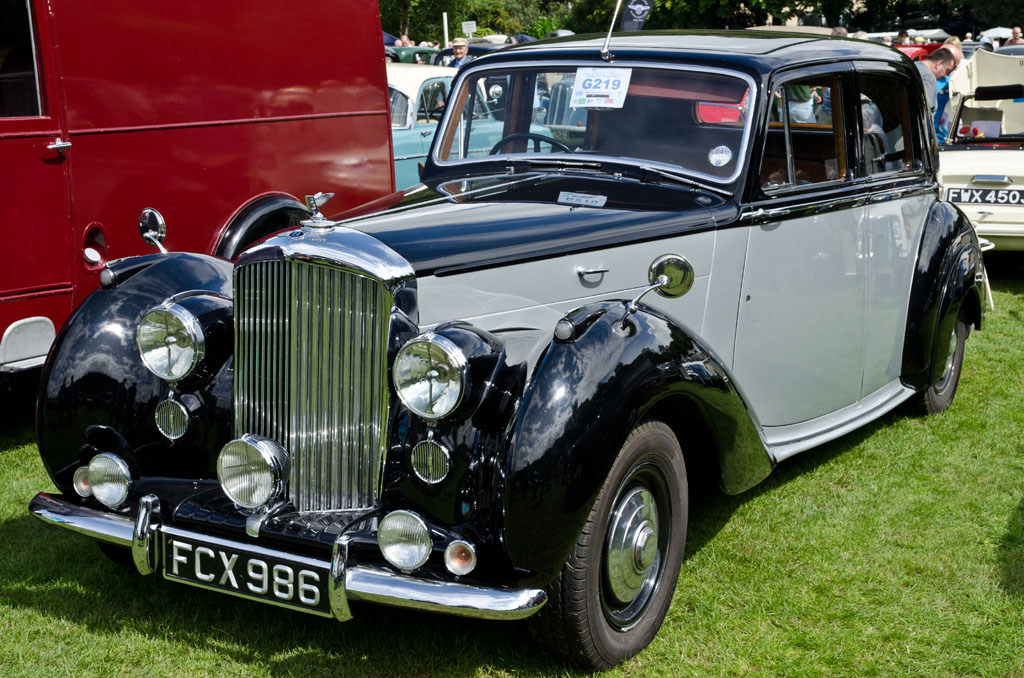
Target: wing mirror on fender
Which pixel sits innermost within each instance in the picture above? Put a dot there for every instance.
(670, 275)
(153, 228)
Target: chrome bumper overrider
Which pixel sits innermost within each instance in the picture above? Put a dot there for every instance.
(359, 582)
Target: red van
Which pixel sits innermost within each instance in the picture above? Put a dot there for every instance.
(213, 118)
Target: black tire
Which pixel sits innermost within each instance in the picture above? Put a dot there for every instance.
(118, 554)
(590, 619)
(939, 395)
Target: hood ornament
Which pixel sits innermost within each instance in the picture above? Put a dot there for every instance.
(316, 219)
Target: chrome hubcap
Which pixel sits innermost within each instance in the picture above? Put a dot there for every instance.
(632, 546)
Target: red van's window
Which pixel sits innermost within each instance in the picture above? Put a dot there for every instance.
(19, 84)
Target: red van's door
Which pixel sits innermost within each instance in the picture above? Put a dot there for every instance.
(35, 266)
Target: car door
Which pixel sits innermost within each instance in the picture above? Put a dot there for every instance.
(799, 349)
(35, 274)
(899, 196)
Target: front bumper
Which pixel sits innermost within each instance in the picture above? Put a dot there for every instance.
(144, 534)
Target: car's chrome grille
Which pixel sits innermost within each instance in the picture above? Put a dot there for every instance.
(310, 373)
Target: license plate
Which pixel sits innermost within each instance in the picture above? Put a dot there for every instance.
(986, 196)
(248, 571)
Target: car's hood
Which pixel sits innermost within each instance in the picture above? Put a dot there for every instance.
(485, 221)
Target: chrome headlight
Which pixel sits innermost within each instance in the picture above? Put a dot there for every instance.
(252, 470)
(109, 478)
(171, 341)
(430, 376)
(404, 540)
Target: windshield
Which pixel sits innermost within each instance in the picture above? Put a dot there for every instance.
(689, 120)
(990, 122)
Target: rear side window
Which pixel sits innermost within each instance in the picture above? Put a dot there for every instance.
(19, 81)
(886, 144)
(804, 142)
(399, 108)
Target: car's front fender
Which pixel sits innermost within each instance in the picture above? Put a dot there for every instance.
(586, 395)
(96, 394)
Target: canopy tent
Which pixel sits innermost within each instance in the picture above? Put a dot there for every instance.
(999, 33)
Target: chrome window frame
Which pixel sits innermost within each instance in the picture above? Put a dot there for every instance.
(743, 152)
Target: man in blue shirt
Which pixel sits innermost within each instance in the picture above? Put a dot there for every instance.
(460, 50)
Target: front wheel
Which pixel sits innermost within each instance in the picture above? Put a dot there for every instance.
(610, 597)
(939, 395)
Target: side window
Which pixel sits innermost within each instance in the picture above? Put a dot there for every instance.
(19, 83)
(433, 98)
(399, 108)
(804, 141)
(886, 136)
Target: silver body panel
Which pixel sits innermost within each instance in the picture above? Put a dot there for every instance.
(815, 349)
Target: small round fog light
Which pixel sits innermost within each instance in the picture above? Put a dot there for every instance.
(404, 540)
(81, 482)
(109, 478)
(460, 557)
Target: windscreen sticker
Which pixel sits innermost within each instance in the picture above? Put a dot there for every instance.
(584, 199)
(600, 87)
(719, 156)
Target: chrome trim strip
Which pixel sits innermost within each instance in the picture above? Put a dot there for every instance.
(362, 582)
(760, 212)
(111, 528)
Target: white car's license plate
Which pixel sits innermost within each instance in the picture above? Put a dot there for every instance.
(248, 571)
(986, 196)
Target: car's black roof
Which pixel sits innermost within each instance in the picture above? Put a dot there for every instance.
(758, 50)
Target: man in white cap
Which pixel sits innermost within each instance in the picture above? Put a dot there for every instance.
(460, 50)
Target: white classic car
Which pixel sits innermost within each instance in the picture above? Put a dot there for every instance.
(982, 161)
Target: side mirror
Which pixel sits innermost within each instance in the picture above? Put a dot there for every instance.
(153, 228)
(677, 273)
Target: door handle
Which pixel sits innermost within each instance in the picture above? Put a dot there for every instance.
(59, 145)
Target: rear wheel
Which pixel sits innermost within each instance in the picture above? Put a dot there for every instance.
(610, 597)
(939, 395)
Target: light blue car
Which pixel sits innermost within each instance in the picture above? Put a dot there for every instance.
(418, 98)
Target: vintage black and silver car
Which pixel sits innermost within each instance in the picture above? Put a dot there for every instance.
(483, 398)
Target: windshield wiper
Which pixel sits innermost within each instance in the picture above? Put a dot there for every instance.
(526, 164)
(647, 170)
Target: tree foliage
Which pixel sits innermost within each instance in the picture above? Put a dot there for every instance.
(421, 19)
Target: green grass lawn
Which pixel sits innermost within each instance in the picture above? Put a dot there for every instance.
(895, 551)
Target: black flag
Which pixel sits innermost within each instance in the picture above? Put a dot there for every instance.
(636, 14)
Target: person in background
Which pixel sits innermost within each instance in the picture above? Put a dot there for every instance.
(902, 38)
(860, 35)
(1016, 38)
(952, 44)
(938, 64)
(460, 52)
